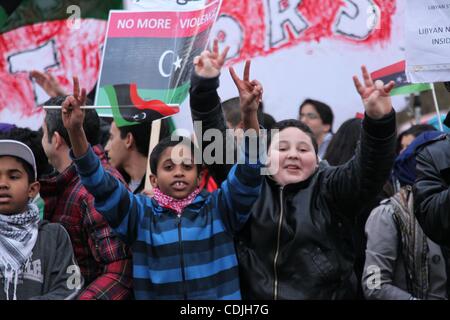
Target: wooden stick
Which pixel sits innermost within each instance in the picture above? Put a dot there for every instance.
(154, 139)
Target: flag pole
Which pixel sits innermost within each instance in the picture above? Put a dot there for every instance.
(82, 107)
(154, 138)
(100, 107)
(433, 90)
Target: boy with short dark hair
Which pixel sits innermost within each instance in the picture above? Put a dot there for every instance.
(36, 258)
(127, 150)
(182, 238)
(33, 140)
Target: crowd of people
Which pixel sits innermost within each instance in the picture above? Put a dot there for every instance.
(360, 213)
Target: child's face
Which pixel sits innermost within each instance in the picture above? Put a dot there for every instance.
(177, 175)
(15, 190)
(292, 157)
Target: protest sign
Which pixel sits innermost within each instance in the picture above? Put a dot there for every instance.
(148, 59)
(428, 40)
(177, 5)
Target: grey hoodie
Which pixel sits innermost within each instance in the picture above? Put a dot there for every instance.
(52, 273)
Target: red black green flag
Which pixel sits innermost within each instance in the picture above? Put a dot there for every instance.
(396, 72)
(148, 60)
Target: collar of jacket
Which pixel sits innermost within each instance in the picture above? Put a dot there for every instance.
(189, 214)
(294, 187)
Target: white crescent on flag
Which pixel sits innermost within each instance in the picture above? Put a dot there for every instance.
(177, 63)
(161, 61)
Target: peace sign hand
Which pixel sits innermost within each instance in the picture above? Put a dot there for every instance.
(208, 64)
(375, 96)
(250, 92)
(72, 114)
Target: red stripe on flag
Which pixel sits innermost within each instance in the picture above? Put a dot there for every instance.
(393, 68)
(155, 105)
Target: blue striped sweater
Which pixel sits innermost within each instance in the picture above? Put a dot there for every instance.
(186, 257)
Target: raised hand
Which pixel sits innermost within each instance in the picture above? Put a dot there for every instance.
(375, 96)
(47, 82)
(250, 92)
(72, 114)
(208, 64)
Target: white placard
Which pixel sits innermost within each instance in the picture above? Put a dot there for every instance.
(427, 39)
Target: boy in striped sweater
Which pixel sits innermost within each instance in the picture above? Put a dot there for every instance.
(182, 238)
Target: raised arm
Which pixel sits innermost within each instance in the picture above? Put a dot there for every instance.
(250, 96)
(48, 83)
(238, 193)
(119, 206)
(351, 185)
(205, 104)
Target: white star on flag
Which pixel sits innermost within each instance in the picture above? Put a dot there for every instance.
(177, 63)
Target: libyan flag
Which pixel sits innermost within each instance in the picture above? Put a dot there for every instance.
(148, 60)
(396, 72)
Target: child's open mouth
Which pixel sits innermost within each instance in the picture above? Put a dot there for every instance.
(179, 185)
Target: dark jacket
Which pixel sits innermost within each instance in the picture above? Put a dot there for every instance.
(431, 190)
(52, 272)
(297, 243)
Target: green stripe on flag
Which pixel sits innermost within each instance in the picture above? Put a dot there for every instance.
(107, 97)
(411, 88)
(112, 101)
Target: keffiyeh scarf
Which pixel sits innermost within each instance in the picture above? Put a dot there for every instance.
(18, 234)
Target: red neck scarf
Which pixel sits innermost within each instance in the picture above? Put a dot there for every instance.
(176, 205)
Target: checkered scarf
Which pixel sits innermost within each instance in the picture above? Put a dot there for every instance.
(18, 234)
(414, 244)
(176, 205)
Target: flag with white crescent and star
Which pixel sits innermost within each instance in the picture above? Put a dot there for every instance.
(147, 61)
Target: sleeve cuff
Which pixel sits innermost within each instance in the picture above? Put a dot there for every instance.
(200, 83)
(381, 128)
(87, 163)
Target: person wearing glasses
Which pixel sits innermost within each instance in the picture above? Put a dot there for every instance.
(319, 117)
